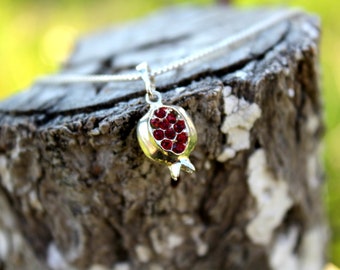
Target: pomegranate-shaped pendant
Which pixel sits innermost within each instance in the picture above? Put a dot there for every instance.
(167, 135)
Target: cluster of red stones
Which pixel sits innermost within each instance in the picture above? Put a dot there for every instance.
(169, 130)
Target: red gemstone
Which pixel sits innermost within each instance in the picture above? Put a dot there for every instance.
(182, 138)
(166, 144)
(178, 148)
(164, 124)
(179, 126)
(172, 117)
(161, 112)
(158, 134)
(170, 133)
(155, 122)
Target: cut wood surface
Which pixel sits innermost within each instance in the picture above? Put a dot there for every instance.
(76, 191)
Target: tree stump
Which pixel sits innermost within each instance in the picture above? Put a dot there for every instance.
(77, 192)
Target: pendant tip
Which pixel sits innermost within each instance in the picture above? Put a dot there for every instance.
(175, 170)
(187, 165)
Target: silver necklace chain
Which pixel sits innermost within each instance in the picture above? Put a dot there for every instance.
(209, 52)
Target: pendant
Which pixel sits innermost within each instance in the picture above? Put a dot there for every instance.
(165, 133)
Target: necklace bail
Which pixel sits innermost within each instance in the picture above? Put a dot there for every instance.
(149, 81)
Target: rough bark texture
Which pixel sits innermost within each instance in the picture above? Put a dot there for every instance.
(76, 192)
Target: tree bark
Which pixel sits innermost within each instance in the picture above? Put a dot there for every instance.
(76, 191)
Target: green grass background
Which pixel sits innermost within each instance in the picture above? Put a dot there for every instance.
(36, 35)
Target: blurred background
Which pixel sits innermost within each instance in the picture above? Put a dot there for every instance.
(37, 35)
